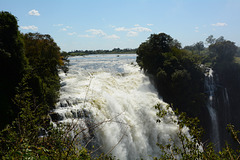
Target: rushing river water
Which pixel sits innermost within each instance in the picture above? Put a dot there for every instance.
(112, 89)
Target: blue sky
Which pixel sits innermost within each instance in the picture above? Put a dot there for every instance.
(108, 24)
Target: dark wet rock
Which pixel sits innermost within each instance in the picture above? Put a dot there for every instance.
(63, 104)
(74, 113)
(56, 117)
(63, 84)
(42, 132)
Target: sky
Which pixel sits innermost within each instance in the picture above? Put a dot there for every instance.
(108, 24)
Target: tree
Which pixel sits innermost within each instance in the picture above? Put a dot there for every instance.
(220, 39)
(196, 48)
(150, 53)
(210, 40)
(199, 46)
(65, 56)
(162, 43)
(12, 62)
(224, 51)
(177, 74)
(45, 59)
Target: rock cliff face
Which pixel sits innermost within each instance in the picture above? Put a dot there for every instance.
(210, 89)
(227, 99)
(222, 106)
(224, 100)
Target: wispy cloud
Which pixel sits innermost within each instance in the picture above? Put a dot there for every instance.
(112, 36)
(32, 27)
(72, 33)
(65, 28)
(121, 29)
(219, 24)
(34, 13)
(137, 29)
(150, 24)
(141, 29)
(86, 36)
(133, 32)
(100, 33)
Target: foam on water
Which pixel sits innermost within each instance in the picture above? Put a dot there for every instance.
(113, 89)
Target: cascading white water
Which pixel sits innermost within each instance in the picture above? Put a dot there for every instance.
(112, 88)
(210, 88)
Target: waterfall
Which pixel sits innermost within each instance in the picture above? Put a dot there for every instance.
(111, 92)
(226, 99)
(210, 89)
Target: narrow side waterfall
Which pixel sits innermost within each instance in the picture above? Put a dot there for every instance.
(210, 89)
(111, 91)
(226, 103)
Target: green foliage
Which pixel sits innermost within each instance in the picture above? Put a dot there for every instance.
(43, 53)
(187, 146)
(44, 59)
(29, 89)
(210, 40)
(196, 48)
(223, 50)
(190, 146)
(22, 139)
(219, 51)
(237, 60)
(150, 52)
(12, 62)
(177, 72)
(64, 56)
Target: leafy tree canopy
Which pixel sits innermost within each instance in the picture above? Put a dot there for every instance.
(12, 62)
(44, 58)
(223, 50)
(177, 73)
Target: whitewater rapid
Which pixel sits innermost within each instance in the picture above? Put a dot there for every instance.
(112, 91)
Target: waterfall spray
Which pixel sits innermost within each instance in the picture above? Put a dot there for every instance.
(113, 90)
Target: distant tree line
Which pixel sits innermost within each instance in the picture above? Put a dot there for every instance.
(201, 49)
(113, 51)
